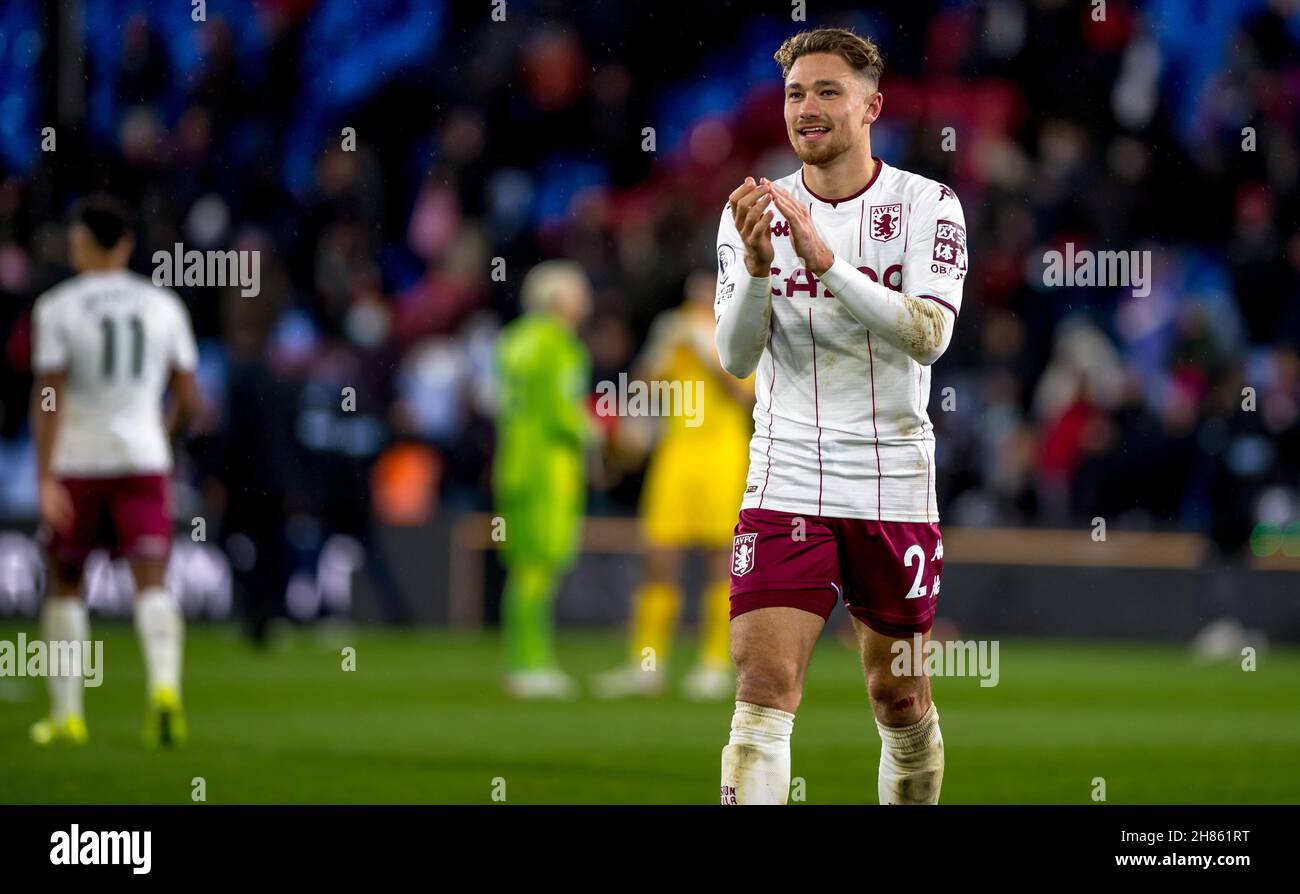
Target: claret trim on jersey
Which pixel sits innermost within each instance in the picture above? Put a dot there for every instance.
(880, 165)
(955, 313)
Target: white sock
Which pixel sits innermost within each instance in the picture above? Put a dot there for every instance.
(64, 620)
(911, 761)
(161, 629)
(756, 761)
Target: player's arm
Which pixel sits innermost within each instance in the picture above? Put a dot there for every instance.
(49, 363)
(185, 401)
(55, 504)
(740, 389)
(46, 394)
(918, 325)
(743, 304)
(182, 384)
(568, 377)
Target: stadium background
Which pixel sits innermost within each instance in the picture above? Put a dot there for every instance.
(523, 140)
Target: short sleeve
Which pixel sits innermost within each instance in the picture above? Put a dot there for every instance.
(185, 354)
(936, 261)
(49, 343)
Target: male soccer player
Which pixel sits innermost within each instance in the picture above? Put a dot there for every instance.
(689, 500)
(840, 284)
(539, 475)
(106, 346)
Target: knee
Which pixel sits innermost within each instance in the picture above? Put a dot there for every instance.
(897, 700)
(770, 682)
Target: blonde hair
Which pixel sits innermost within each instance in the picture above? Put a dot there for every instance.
(859, 52)
(548, 281)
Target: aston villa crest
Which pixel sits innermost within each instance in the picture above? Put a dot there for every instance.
(742, 554)
(886, 221)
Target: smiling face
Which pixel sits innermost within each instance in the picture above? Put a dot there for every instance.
(829, 107)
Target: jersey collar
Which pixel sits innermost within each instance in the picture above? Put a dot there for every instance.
(880, 166)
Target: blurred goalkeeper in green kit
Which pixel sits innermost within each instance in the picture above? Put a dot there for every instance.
(539, 474)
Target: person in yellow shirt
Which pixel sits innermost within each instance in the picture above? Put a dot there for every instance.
(690, 499)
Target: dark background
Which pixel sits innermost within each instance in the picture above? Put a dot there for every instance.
(523, 140)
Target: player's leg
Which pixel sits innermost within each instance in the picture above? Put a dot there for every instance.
(655, 608)
(892, 572)
(528, 632)
(64, 618)
(141, 518)
(665, 510)
(784, 574)
(771, 648)
(713, 677)
(542, 532)
(529, 591)
(160, 627)
(911, 744)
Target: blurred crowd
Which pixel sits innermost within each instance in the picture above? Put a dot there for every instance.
(400, 165)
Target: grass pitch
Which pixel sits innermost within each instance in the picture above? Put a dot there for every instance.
(422, 720)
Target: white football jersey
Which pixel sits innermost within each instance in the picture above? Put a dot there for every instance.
(841, 427)
(118, 337)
